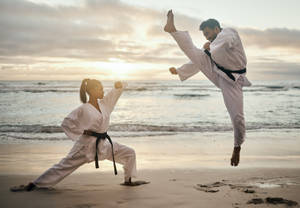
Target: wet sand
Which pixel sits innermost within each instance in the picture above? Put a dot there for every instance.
(168, 188)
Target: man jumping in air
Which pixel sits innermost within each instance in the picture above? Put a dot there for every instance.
(223, 61)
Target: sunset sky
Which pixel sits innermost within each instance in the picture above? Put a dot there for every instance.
(111, 39)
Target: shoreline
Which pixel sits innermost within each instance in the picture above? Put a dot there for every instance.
(181, 151)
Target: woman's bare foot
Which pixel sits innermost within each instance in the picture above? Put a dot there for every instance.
(134, 183)
(170, 27)
(28, 187)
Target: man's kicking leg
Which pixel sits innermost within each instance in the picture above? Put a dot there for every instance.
(199, 60)
(170, 27)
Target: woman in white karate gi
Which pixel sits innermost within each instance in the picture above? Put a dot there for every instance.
(90, 117)
(223, 62)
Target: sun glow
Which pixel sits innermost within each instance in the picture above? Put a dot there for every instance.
(116, 68)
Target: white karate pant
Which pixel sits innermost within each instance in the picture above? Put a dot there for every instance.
(233, 99)
(78, 156)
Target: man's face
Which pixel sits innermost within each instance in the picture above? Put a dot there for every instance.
(210, 34)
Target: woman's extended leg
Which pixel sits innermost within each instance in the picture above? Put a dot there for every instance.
(62, 169)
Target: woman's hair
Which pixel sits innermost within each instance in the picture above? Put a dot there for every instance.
(86, 86)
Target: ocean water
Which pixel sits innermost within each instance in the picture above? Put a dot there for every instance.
(34, 110)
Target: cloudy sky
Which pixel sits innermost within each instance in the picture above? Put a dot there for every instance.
(114, 39)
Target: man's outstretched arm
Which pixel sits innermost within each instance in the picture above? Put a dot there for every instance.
(185, 71)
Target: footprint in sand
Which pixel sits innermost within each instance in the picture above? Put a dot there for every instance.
(213, 187)
(273, 200)
(244, 187)
(249, 191)
(210, 188)
(82, 206)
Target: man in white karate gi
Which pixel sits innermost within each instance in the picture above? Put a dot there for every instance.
(223, 61)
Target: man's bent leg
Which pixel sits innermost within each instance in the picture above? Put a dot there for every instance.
(233, 99)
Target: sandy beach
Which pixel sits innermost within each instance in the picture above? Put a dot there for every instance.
(168, 188)
(194, 174)
(184, 89)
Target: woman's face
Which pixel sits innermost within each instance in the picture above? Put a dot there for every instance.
(97, 91)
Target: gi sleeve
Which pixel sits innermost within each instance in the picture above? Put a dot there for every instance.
(111, 98)
(73, 124)
(187, 70)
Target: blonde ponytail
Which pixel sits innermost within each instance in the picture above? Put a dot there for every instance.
(83, 90)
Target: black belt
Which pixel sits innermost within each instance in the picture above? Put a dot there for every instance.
(226, 71)
(99, 137)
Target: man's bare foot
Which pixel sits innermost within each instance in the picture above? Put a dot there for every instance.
(170, 27)
(235, 159)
